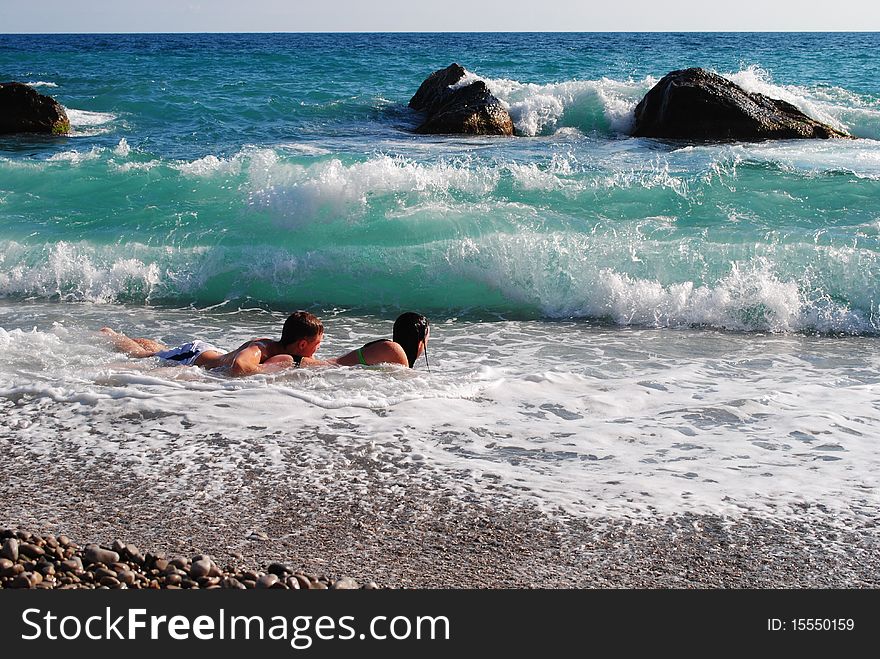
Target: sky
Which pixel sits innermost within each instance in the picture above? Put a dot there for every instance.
(47, 16)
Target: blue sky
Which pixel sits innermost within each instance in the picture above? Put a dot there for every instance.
(448, 15)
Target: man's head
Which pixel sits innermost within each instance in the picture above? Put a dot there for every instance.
(302, 334)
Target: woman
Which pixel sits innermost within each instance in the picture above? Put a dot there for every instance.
(409, 340)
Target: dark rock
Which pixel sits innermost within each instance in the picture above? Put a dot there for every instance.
(10, 549)
(279, 569)
(126, 576)
(267, 581)
(180, 562)
(470, 109)
(102, 572)
(21, 581)
(200, 568)
(133, 554)
(31, 551)
(696, 104)
(434, 91)
(95, 554)
(23, 110)
(232, 582)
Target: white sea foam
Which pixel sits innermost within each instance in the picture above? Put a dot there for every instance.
(76, 272)
(305, 149)
(538, 109)
(87, 118)
(586, 420)
(858, 157)
(211, 165)
(757, 80)
(122, 149)
(84, 123)
(75, 157)
(304, 192)
(41, 83)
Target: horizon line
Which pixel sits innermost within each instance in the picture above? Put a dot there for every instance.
(609, 31)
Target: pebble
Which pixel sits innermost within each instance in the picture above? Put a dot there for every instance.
(267, 580)
(201, 568)
(95, 554)
(345, 583)
(31, 551)
(30, 561)
(10, 549)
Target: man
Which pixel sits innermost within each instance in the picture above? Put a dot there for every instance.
(300, 338)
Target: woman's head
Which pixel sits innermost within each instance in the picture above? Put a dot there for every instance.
(411, 331)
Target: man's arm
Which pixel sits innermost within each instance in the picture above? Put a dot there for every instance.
(247, 362)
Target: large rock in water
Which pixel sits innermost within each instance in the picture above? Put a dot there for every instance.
(469, 109)
(699, 105)
(23, 110)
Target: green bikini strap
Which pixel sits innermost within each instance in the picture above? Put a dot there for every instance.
(361, 359)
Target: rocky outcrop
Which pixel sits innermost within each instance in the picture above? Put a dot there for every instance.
(23, 110)
(696, 104)
(470, 109)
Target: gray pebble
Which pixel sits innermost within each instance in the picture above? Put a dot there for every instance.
(345, 583)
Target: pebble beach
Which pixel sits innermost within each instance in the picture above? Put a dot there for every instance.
(66, 531)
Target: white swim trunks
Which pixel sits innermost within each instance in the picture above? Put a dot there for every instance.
(187, 354)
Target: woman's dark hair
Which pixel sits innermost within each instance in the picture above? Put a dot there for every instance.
(409, 329)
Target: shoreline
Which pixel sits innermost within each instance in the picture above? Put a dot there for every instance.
(418, 538)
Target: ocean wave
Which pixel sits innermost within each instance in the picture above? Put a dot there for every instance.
(603, 105)
(40, 83)
(556, 275)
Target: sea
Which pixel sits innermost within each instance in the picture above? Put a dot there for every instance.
(620, 327)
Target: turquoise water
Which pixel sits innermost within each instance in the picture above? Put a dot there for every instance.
(619, 326)
(279, 171)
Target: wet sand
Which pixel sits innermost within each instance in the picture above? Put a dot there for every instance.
(415, 536)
